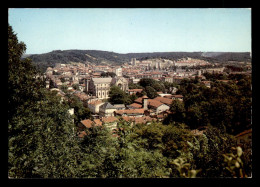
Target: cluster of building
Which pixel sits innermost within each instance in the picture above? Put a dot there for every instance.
(89, 84)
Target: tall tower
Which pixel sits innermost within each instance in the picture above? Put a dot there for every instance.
(118, 72)
(145, 102)
(86, 85)
(133, 61)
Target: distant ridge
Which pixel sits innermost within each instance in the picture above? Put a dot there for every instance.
(106, 57)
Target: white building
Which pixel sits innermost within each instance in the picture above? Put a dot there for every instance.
(118, 72)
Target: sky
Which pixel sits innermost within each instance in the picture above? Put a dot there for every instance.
(133, 30)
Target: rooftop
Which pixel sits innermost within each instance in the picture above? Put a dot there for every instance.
(131, 111)
(164, 100)
(109, 119)
(107, 105)
(102, 80)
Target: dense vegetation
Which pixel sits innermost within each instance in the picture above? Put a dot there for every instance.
(118, 96)
(42, 141)
(97, 57)
(225, 105)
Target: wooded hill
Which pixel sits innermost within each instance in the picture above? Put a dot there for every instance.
(105, 57)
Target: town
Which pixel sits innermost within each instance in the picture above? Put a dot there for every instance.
(130, 93)
(92, 83)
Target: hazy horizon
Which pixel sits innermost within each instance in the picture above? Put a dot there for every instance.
(141, 52)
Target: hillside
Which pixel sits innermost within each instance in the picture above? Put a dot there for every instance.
(105, 57)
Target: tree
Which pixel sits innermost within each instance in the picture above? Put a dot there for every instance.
(134, 86)
(75, 86)
(41, 141)
(178, 113)
(108, 74)
(146, 82)
(80, 112)
(151, 92)
(208, 151)
(118, 96)
(64, 88)
(62, 79)
(159, 87)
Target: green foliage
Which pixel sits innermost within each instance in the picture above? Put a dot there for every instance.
(44, 144)
(118, 96)
(80, 112)
(183, 168)
(40, 131)
(169, 86)
(75, 86)
(42, 141)
(234, 163)
(159, 87)
(134, 86)
(224, 105)
(151, 83)
(146, 82)
(108, 74)
(64, 88)
(207, 151)
(151, 92)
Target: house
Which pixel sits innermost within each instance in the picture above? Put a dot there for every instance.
(98, 122)
(157, 106)
(167, 79)
(110, 122)
(152, 104)
(107, 109)
(138, 120)
(94, 106)
(86, 124)
(164, 100)
(135, 106)
(130, 112)
(119, 106)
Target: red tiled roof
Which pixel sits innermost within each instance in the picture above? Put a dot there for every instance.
(139, 100)
(87, 123)
(82, 134)
(130, 111)
(164, 100)
(151, 102)
(178, 96)
(143, 119)
(136, 105)
(154, 103)
(128, 118)
(97, 122)
(109, 119)
(95, 102)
